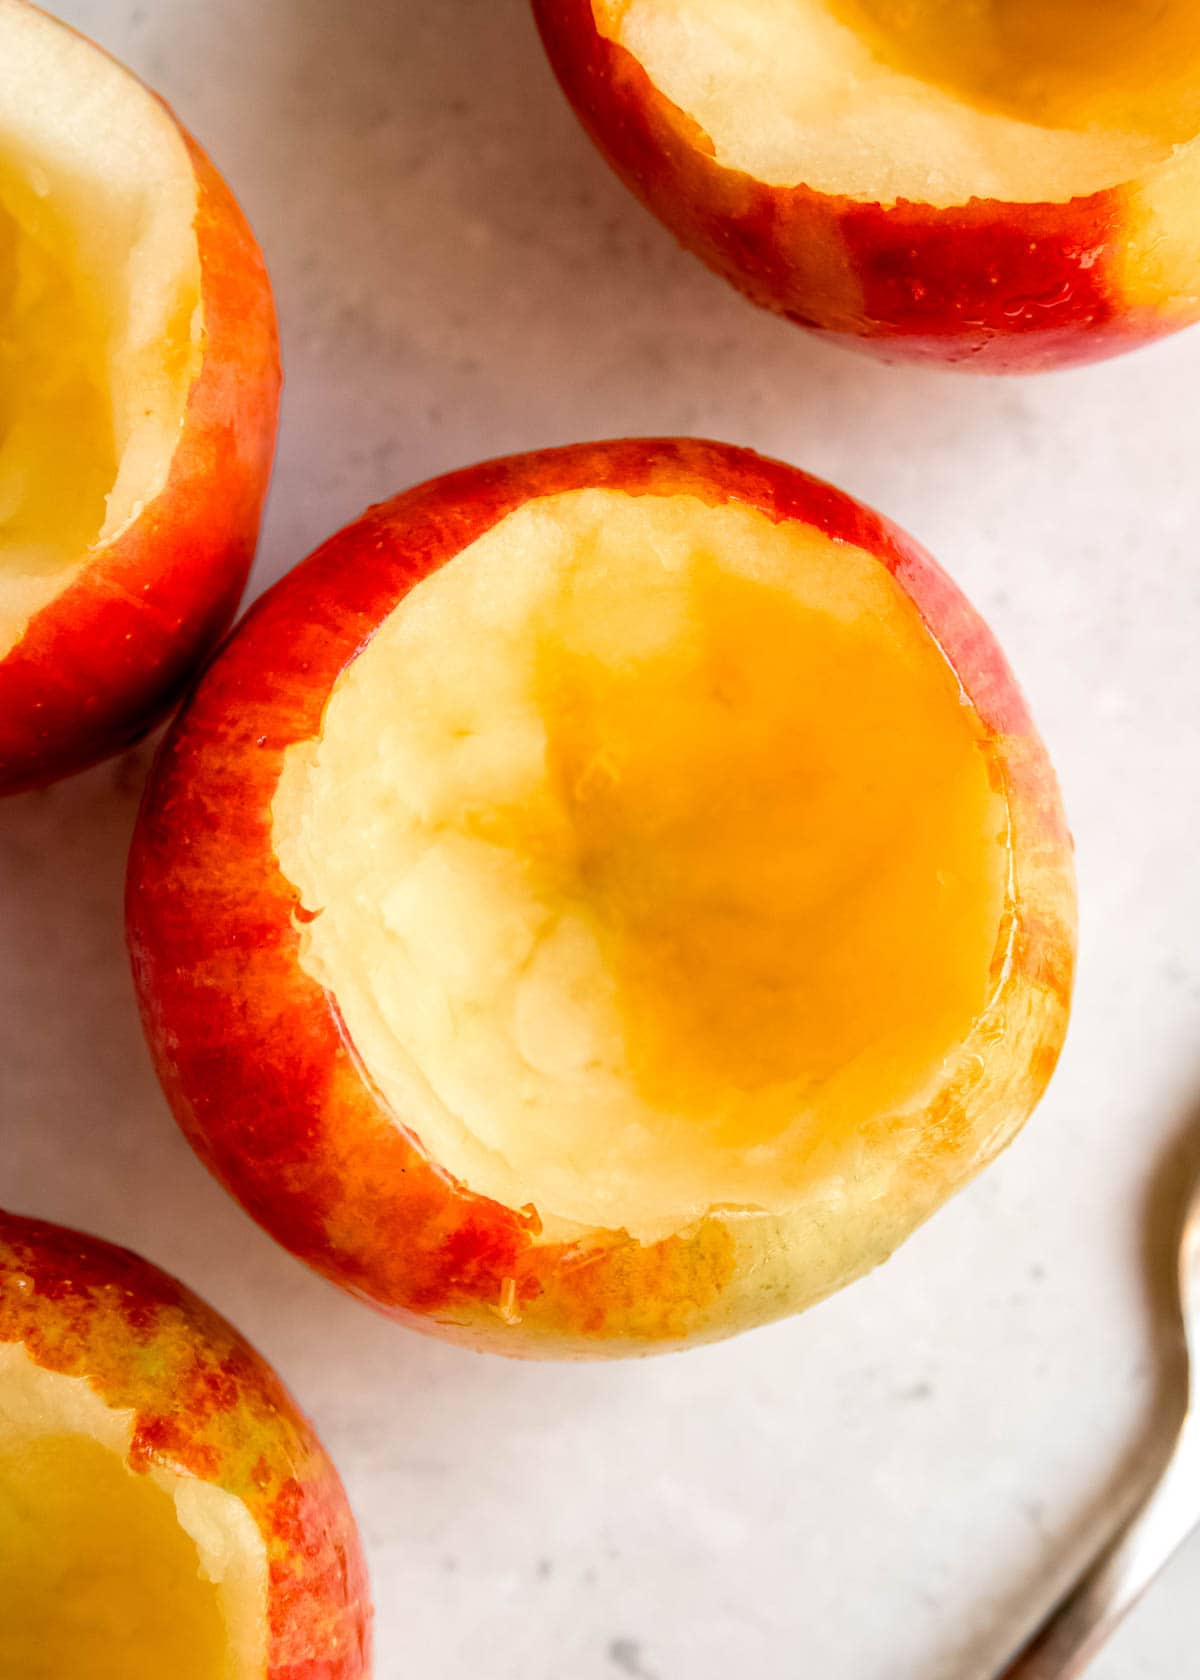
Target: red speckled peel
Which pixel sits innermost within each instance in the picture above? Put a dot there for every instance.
(108, 657)
(207, 1405)
(250, 1049)
(1002, 287)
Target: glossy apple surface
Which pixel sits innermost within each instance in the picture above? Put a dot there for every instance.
(141, 377)
(1005, 188)
(603, 900)
(164, 1507)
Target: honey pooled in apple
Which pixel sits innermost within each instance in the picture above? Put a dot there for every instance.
(165, 1512)
(651, 854)
(1129, 65)
(99, 1577)
(59, 456)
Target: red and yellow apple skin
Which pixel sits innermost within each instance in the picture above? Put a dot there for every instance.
(988, 285)
(254, 1058)
(204, 1404)
(112, 652)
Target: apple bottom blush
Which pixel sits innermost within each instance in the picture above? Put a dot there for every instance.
(604, 900)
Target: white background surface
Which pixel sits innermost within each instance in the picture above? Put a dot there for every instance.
(883, 1489)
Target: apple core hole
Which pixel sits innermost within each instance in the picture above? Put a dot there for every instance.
(657, 855)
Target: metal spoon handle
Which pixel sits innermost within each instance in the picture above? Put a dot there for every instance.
(1084, 1619)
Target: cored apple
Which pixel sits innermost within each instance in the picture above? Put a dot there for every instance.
(603, 900)
(140, 373)
(165, 1511)
(1007, 186)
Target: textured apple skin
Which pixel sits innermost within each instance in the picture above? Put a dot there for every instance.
(258, 1067)
(989, 285)
(204, 1405)
(110, 654)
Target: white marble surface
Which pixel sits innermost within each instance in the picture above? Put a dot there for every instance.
(873, 1492)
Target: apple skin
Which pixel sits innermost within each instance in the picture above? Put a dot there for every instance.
(205, 1405)
(990, 286)
(106, 659)
(259, 1071)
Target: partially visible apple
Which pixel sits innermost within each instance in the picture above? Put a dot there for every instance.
(1004, 187)
(603, 900)
(140, 370)
(165, 1511)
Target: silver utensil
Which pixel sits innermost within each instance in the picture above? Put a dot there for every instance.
(1074, 1631)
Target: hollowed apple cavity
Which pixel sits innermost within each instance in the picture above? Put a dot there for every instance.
(649, 851)
(100, 328)
(107, 1572)
(935, 101)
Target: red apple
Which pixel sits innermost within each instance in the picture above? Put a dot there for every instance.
(141, 378)
(603, 900)
(1004, 187)
(164, 1508)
